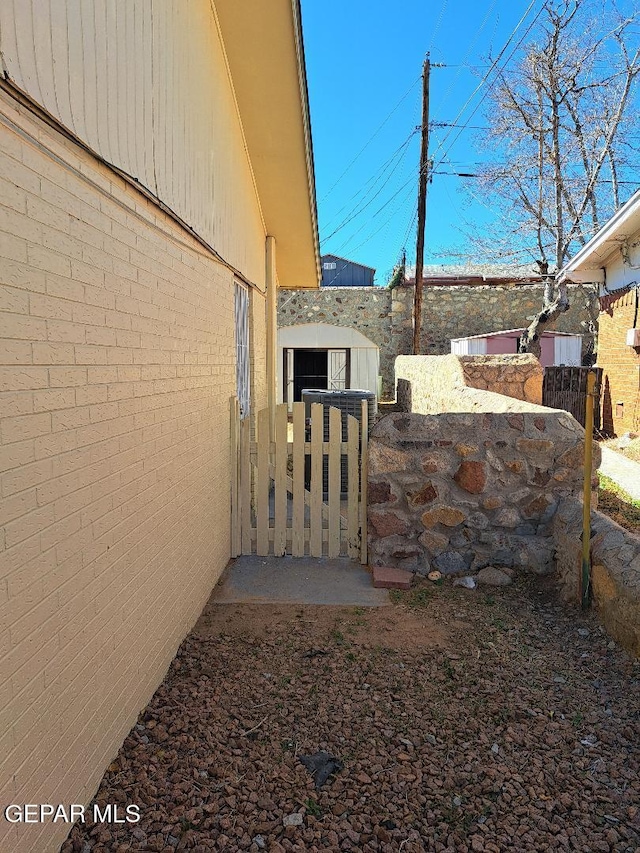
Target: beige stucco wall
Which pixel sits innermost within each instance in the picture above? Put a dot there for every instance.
(117, 360)
(428, 384)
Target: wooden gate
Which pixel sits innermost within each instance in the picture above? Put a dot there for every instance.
(303, 494)
(566, 388)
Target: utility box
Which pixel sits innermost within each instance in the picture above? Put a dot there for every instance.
(633, 337)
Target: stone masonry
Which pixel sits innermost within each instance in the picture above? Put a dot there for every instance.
(384, 316)
(429, 384)
(460, 491)
(615, 570)
(466, 478)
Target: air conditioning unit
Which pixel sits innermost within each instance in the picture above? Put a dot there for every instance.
(633, 337)
(349, 401)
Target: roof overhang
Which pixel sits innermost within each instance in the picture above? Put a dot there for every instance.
(588, 265)
(265, 52)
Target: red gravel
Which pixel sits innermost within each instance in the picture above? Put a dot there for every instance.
(465, 721)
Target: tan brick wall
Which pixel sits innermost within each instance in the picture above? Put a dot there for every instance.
(117, 360)
(620, 365)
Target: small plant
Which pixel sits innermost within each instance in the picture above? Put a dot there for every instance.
(312, 807)
(417, 598)
(337, 636)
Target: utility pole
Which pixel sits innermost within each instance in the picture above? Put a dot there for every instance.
(422, 207)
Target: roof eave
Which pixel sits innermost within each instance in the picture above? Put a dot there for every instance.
(588, 264)
(265, 52)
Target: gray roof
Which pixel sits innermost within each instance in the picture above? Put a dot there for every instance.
(515, 271)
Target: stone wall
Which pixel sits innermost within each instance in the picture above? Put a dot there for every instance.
(384, 316)
(460, 491)
(429, 384)
(615, 574)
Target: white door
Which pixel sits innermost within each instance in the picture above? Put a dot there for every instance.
(337, 369)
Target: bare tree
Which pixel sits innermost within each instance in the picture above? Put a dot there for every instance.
(559, 121)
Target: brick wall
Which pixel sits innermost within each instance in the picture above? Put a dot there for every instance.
(620, 365)
(117, 360)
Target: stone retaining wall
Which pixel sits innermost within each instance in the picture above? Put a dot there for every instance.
(384, 316)
(615, 559)
(429, 384)
(460, 491)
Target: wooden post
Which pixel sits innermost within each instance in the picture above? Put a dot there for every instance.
(422, 207)
(272, 333)
(585, 577)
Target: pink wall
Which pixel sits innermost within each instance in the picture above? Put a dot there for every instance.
(507, 345)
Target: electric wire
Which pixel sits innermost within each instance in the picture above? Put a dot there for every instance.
(492, 67)
(372, 137)
(355, 212)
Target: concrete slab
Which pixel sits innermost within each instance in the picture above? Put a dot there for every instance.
(625, 472)
(297, 580)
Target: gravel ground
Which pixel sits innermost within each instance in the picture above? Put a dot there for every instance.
(463, 720)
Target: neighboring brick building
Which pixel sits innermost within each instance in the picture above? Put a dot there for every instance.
(620, 362)
(612, 260)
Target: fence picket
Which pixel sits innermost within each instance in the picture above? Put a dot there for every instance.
(317, 435)
(280, 497)
(297, 522)
(364, 451)
(262, 484)
(234, 411)
(353, 435)
(335, 439)
(245, 485)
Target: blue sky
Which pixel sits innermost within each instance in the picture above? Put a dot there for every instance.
(364, 66)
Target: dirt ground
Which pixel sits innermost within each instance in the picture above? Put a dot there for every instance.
(461, 720)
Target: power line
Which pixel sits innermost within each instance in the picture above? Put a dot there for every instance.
(491, 68)
(355, 212)
(371, 138)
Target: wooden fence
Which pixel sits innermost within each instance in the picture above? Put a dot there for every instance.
(566, 388)
(288, 495)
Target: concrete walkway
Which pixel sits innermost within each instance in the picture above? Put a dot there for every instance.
(625, 472)
(298, 580)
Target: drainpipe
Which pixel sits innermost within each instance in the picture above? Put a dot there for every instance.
(272, 331)
(585, 580)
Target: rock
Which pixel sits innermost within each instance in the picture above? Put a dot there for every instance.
(451, 563)
(426, 495)
(508, 516)
(467, 582)
(471, 476)
(465, 449)
(491, 576)
(380, 493)
(294, 819)
(433, 541)
(447, 515)
(385, 459)
(388, 523)
(259, 841)
(492, 502)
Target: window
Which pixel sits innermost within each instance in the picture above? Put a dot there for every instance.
(329, 265)
(243, 381)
